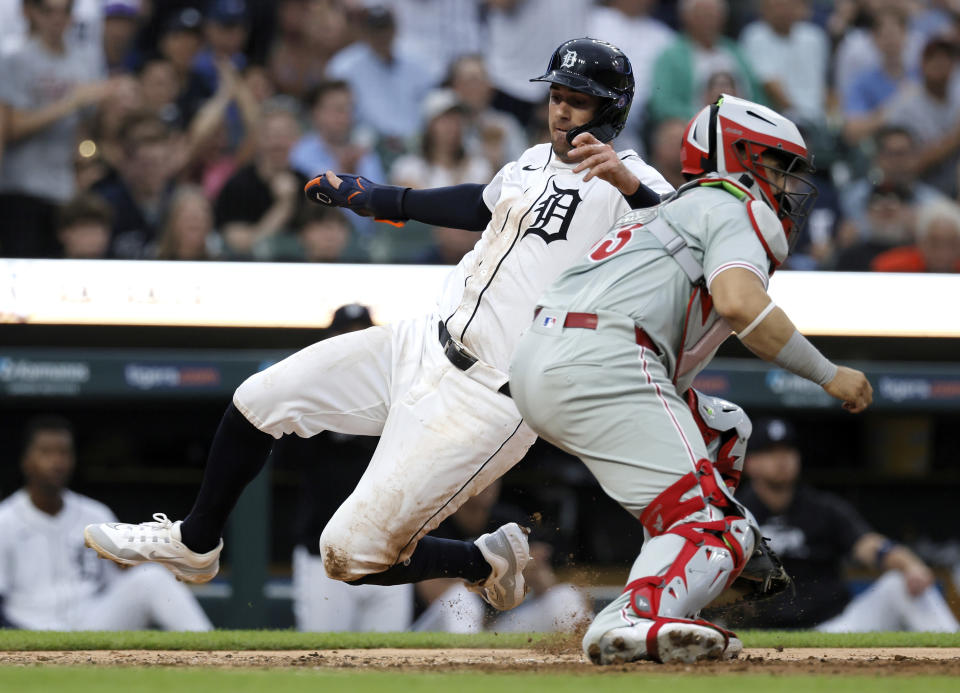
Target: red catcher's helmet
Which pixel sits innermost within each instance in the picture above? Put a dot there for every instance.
(730, 137)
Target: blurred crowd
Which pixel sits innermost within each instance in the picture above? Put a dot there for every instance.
(186, 129)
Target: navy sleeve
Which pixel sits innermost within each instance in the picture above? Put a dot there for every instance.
(643, 197)
(456, 206)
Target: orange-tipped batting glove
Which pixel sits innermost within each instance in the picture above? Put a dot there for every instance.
(361, 196)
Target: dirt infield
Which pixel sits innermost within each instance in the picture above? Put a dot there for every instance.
(873, 661)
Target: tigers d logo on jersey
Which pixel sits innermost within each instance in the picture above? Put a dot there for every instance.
(553, 212)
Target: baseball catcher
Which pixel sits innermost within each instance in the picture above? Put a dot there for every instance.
(618, 339)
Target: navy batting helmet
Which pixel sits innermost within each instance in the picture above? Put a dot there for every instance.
(599, 68)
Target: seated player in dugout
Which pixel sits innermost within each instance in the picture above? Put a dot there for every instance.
(816, 534)
(617, 340)
(432, 386)
(48, 581)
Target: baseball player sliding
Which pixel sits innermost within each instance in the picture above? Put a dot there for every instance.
(434, 387)
(618, 338)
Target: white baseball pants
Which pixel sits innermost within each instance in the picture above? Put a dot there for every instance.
(444, 435)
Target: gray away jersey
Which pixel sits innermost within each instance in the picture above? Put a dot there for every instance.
(629, 271)
(544, 218)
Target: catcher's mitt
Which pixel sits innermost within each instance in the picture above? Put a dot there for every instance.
(762, 577)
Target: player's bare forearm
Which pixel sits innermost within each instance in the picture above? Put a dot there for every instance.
(600, 160)
(740, 297)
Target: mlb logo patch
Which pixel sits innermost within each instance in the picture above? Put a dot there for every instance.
(549, 321)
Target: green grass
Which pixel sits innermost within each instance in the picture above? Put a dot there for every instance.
(79, 680)
(293, 640)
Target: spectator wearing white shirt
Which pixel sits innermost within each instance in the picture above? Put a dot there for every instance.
(522, 32)
(46, 84)
(790, 57)
(444, 159)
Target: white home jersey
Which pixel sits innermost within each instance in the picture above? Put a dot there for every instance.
(46, 573)
(545, 217)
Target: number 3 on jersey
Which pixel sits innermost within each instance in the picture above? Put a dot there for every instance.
(612, 243)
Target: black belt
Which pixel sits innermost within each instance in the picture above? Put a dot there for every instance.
(459, 357)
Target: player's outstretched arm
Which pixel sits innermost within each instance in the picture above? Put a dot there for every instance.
(457, 206)
(740, 297)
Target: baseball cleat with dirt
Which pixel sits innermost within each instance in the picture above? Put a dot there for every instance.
(674, 642)
(507, 550)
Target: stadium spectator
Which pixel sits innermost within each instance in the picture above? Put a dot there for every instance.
(520, 34)
(212, 155)
(815, 533)
(160, 89)
(388, 86)
(261, 199)
(329, 143)
(684, 67)
(83, 228)
(225, 30)
(188, 232)
(84, 32)
(718, 84)
(495, 135)
(665, 150)
(120, 23)
(308, 34)
(895, 163)
(46, 84)
(335, 143)
(889, 224)
(628, 25)
(139, 189)
(438, 32)
(329, 466)
(937, 247)
(870, 91)
(850, 29)
(124, 100)
(323, 235)
(180, 42)
(444, 159)
(791, 57)
(450, 606)
(932, 115)
(48, 580)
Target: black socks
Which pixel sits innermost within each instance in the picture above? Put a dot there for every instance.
(434, 558)
(238, 453)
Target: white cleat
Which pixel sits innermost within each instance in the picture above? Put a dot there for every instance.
(676, 642)
(507, 551)
(734, 648)
(152, 542)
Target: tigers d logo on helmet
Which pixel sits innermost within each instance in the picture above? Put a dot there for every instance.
(569, 60)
